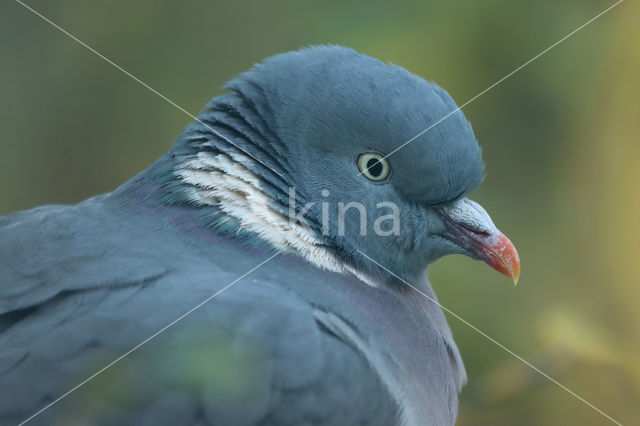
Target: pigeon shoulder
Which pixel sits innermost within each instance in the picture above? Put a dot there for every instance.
(53, 249)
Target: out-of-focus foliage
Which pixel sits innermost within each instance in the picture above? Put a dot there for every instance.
(561, 142)
(211, 364)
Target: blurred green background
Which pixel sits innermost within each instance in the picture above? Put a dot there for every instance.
(560, 138)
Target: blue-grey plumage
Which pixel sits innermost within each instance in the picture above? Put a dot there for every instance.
(318, 335)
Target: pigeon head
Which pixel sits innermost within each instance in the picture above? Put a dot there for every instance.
(308, 153)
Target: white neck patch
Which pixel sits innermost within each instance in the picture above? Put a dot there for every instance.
(222, 181)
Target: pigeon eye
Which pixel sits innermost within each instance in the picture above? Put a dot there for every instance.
(373, 166)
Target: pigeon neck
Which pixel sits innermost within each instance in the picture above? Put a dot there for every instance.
(247, 206)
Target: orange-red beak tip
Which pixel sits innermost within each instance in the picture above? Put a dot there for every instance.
(503, 257)
(516, 274)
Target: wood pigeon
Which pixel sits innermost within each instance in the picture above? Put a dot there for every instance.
(282, 200)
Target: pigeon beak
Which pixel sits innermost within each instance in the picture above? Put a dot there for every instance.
(470, 227)
(499, 253)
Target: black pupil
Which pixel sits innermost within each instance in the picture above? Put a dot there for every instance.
(375, 167)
